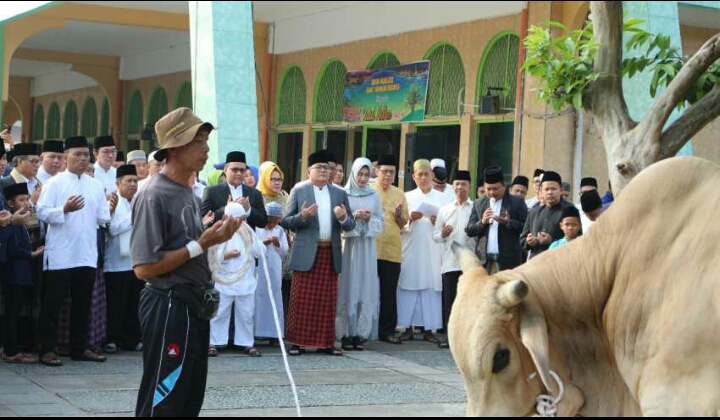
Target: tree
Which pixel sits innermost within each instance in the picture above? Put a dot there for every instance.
(585, 69)
(414, 98)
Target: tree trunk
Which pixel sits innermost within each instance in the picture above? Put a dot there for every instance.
(631, 146)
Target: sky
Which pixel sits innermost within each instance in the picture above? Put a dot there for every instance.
(14, 8)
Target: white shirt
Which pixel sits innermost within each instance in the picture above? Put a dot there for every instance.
(325, 211)
(236, 192)
(143, 184)
(121, 223)
(31, 184)
(586, 223)
(106, 178)
(198, 190)
(71, 240)
(458, 216)
(43, 175)
(248, 283)
(531, 203)
(421, 268)
(493, 244)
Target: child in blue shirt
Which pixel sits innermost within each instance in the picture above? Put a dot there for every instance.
(570, 225)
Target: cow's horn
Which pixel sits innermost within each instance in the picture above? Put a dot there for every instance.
(512, 293)
(466, 257)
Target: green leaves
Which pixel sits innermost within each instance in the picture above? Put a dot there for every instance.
(565, 63)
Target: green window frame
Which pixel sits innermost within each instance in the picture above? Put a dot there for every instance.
(105, 118)
(135, 113)
(329, 89)
(499, 68)
(383, 60)
(447, 80)
(70, 120)
(38, 132)
(291, 102)
(89, 123)
(52, 130)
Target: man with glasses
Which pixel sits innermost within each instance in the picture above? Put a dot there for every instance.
(53, 157)
(26, 163)
(215, 198)
(537, 200)
(105, 154)
(389, 245)
(317, 213)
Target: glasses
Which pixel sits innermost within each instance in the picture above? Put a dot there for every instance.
(108, 152)
(238, 170)
(321, 168)
(34, 161)
(276, 180)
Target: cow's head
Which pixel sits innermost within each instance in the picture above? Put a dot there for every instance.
(498, 337)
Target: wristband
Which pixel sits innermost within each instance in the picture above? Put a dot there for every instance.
(195, 249)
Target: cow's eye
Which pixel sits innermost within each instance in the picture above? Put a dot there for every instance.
(501, 360)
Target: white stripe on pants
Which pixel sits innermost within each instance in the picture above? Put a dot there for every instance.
(419, 308)
(244, 325)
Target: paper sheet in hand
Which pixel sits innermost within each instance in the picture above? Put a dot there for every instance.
(427, 209)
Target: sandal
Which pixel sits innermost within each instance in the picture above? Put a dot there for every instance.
(346, 344)
(332, 351)
(212, 351)
(89, 356)
(358, 344)
(252, 352)
(50, 359)
(20, 358)
(430, 337)
(296, 351)
(408, 335)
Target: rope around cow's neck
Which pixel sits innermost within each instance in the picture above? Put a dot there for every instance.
(547, 404)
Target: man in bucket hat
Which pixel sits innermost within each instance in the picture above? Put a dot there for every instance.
(168, 252)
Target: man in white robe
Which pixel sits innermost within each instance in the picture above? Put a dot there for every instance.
(419, 295)
(105, 155)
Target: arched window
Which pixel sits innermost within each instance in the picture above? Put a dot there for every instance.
(158, 106)
(38, 132)
(89, 118)
(329, 88)
(447, 79)
(291, 97)
(105, 118)
(383, 60)
(135, 113)
(184, 96)
(53, 122)
(498, 69)
(70, 120)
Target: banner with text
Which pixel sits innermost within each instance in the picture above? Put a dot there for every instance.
(397, 94)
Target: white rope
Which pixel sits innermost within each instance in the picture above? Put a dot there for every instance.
(280, 336)
(547, 404)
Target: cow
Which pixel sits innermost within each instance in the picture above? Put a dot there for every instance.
(627, 316)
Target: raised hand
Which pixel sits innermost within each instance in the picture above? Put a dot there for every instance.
(340, 212)
(308, 212)
(73, 204)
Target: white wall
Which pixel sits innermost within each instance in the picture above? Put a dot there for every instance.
(154, 63)
(63, 81)
(379, 18)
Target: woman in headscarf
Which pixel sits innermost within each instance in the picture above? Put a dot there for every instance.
(215, 177)
(358, 293)
(271, 183)
(252, 176)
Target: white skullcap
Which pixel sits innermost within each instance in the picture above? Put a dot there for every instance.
(235, 210)
(437, 163)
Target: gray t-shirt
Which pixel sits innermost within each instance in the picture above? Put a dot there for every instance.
(166, 216)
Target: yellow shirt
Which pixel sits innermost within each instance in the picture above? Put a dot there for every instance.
(389, 246)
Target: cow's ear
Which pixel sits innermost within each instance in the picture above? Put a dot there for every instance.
(533, 332)
(466, 257)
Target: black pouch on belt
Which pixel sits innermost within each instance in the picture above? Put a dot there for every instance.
(202, 301)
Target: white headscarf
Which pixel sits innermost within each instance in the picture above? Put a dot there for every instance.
(352, 187)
